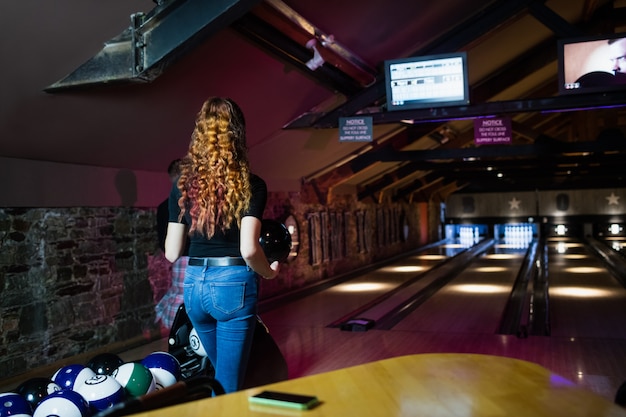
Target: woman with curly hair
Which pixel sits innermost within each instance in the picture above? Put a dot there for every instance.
(218, 203)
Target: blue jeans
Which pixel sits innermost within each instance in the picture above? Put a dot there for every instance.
(221, 303)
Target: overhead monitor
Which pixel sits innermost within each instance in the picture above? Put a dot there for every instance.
(592, 64)
(427, 81)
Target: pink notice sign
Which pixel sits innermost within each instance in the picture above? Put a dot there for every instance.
(492, 131)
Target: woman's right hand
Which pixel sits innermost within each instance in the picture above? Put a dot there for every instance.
(275, 267)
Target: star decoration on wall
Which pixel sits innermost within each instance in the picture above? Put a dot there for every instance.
(613, 200)
(514, 204)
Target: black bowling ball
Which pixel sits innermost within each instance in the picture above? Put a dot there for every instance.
(34, 390)
(275, 240)
(104, 363)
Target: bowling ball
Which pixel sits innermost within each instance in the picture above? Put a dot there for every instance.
(104, 363)
(64, 403)
(136, 379)
(36, 389)
(165, 368)
(275, 240)
(196, 344)
(14, 405)
(70, 375)
(101, 392)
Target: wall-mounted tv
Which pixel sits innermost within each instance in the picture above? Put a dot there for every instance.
(427, 81)
(592, 64)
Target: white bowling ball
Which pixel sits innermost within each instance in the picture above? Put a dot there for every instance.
(196, 344)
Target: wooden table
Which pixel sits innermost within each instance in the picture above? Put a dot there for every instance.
(421, 385)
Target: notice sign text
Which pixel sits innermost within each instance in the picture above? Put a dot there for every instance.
(355, 129)
(492, 131)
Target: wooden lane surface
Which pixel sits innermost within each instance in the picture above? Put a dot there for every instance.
(325, 307)
(585, 299)
(473, 301)
(421, 385)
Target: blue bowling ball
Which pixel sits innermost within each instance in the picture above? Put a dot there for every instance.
(165, 368)
(72, 375)
(14, 405)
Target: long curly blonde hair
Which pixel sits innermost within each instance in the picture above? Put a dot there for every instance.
(215, 173)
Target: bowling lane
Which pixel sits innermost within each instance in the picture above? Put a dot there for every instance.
(618, 244)
(324, 307)
(473, 302)
(585, 299)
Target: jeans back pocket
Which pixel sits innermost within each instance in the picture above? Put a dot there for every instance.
(228, 297)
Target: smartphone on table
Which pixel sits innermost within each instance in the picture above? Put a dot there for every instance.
(284, 399)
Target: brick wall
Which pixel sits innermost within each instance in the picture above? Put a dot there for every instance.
(72, 280)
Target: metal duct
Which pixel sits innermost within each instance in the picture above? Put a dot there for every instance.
(154, 41)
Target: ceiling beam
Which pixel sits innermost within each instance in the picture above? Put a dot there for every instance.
(558, 103)
(514, 71)
(296, 27)
(543, 147)
(290, 52)
(561, 27)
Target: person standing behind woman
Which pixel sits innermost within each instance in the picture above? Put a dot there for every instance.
(219, 204)
(167, 307)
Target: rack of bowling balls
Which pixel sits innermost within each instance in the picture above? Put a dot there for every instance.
(104, 386)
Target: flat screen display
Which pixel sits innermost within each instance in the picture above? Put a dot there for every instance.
(592, 64)
(427, 81)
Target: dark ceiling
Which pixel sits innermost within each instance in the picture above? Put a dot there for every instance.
(131, 106)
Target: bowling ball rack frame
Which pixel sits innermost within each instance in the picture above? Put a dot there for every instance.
(191, 364)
